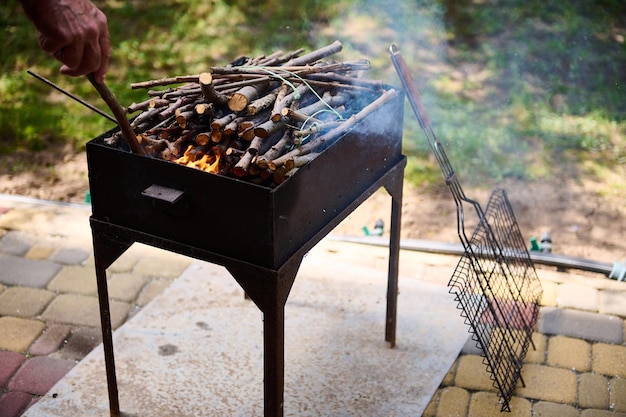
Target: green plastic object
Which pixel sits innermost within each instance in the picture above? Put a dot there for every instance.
(534, 246)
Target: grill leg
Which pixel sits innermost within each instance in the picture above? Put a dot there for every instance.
(106, 250)
(395, 190)
(274, 360)
(107, 340)
(269, 290)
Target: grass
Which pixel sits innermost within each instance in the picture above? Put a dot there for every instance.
(511, 85)
(556, 75)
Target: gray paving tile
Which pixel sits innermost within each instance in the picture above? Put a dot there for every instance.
(581, 324)
(15, 243)
(26, 272)
(70, 256)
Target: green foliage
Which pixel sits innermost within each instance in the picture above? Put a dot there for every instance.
(551, 78)
(510, 85)
(151, 40)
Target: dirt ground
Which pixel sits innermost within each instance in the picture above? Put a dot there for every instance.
(584, 219)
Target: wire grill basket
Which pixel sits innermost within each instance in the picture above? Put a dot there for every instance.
(495, 283)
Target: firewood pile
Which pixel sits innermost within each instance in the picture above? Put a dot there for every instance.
(256, 119)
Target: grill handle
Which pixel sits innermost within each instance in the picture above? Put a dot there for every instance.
(163, 194)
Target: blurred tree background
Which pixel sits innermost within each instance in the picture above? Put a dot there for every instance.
(523, 89)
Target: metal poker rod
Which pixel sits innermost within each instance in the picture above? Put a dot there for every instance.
(72, 96)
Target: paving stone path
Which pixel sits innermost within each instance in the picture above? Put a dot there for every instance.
(578, 368)
(49, 321)
(49, 317)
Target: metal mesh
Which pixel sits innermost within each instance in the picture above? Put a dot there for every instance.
(495, 283)
(498, 291)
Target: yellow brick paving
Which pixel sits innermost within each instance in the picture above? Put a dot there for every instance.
(568, 375)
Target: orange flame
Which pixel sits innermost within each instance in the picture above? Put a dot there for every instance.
(203, 162)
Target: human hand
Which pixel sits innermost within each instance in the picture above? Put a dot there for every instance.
(75, 32)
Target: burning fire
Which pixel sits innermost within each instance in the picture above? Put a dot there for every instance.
(199, 160)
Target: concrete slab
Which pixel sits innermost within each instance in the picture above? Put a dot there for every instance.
(196, 349)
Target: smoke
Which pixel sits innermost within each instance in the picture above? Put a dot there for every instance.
(367, 28)
(507, 86)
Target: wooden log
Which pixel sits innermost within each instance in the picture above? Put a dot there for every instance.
(135, 107)
(208, 90)
(183, 117)
(204, 109)
(267, 128)
(328, 102)
(291, 55)
(216, 135)
(297, 161)
(280, 175)
(145, 116)
(316, 55)
(246, 133)
(326, 139)
(233, 86)
(286, 101)
(176, 148)
(220, 150)
(301, 160)
(283, 90)
(158, 102)
(274, 59)
(195, 93)
(297, 117)
(260, 145)
(203, 138)
(164, 132)
(292, 71)
(262, 103)
(144, 126)
(247, 126)
(234, 151)
(254, 61)
(315, 128)
(341, 81)
(240, 100)
(241, 167)
(274, 151)
(271, 59)
(155, 145)
(171, 110)
(254, 146)
(232, 127)
(220, 123)
(165, 81)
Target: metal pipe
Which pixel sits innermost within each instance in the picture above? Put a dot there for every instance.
(615, 270)
(72, 96)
